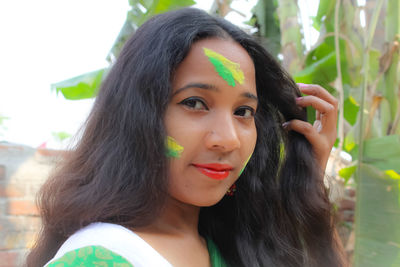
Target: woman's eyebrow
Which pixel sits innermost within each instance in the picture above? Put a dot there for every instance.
(206, 86)
(250, 95)
(196, 85)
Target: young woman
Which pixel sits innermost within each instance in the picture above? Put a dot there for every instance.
(196, 153)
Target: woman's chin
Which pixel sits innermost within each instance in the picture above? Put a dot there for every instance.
(198, 197)
(209, 200)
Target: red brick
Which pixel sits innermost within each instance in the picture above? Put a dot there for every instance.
(30, 238)
(2, 172)
(11, 147)
(22, 207)
(12, 240)
(21, 223)
(17, 240)
(13, 225)
(51, 152)
(3, 207)
(10, 190)
(8, 258)
(33, 188)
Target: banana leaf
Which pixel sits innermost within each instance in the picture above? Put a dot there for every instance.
(80, 87)
(377, 219)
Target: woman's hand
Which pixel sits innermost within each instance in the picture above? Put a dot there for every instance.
(322, 134)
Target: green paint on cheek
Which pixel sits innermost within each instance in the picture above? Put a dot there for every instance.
(174, 150)
(247, 161)
(228, 70)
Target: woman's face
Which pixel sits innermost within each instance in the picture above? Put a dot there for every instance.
(210, 121)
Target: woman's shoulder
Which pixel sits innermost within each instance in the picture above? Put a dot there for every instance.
(106, 242)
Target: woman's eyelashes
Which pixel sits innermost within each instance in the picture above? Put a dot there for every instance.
(196, 103)
(245, 112)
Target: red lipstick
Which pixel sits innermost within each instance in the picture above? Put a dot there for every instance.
(214, 170)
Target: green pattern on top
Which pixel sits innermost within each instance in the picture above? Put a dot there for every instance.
(215, 256)
(96, 256)
(228, 70)
(222, 71)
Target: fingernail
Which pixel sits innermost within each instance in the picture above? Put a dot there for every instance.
(285, 124)
(317, 125)
(299, 98)
(302, 85)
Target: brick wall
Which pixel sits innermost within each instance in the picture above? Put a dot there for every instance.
(22, 171)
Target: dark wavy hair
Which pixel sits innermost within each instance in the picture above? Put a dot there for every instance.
(118, 172)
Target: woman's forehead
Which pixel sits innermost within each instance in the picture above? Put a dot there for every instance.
(221, 57)
(217, 47)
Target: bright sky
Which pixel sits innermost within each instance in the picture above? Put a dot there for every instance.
(47, 41)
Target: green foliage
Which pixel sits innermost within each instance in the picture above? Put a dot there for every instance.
(377, 218)
(374, 56)
(265, 18)
(352, 107)
(61, 136)
(320, 64)
(392, 21)
(87, 85)
(80, 87)
(325, 8)
(391, 87)
(291, 35)
(142, 10)
(383, 152)
(322, 69)
(347, 173)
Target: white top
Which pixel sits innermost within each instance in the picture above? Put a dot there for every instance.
(116, 238)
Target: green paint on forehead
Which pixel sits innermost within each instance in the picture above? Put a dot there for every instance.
(174, 150)
(247, 161)
(228, 70)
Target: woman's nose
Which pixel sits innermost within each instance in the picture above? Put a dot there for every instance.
(222, 135)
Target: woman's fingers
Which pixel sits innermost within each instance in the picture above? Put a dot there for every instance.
(326, 112)
(318, 91)
(319, 104)
(322, 134)
(321, 144)
(325, 105)
(309, 131)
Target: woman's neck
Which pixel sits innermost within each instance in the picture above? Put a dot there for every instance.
(176, 218)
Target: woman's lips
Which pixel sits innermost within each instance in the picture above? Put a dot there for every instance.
(214, 170)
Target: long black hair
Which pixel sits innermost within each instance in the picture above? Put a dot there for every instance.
(118, 173)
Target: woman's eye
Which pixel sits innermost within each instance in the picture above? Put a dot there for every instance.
(194, 103)
(245, 112)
